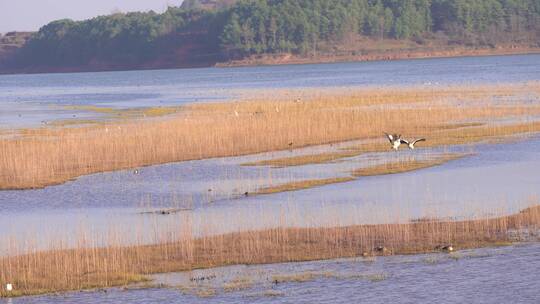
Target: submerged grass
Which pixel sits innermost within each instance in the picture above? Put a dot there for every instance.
(377, 277)
(95, 267)
(295, 277)
(402, 166)
(406, 165)
(439, 136)
(302, 159)
(319, 158)
(127, 113)
(299, 185)
(48, 156)
(238, 284)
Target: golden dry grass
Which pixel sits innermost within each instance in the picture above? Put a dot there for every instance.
(93, 267)
(305, 184)
(46, 156)
(406, 165)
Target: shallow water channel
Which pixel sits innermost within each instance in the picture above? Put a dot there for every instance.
(207, 196)
(489, 275)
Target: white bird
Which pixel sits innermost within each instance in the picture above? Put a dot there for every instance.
(395, 140)
(412, 143)
(9, 287)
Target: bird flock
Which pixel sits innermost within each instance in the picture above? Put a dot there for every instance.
(396, 141)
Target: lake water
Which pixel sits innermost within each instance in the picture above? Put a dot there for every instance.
(30, 100)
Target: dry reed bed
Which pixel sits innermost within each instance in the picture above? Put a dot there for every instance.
(48, 156)
(83, 268)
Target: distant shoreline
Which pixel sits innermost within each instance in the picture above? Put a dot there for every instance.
(284, 59)
(292, 59)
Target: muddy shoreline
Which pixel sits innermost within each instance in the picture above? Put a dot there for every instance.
(390, 55)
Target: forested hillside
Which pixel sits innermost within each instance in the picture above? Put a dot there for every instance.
(300, 25)
(203, 32)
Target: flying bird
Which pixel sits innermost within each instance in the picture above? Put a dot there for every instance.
(395, 140)
(412, 143)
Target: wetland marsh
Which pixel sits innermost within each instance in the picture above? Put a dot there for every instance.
(240, 166)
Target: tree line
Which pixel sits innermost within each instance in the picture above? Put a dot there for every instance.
(122, 38)
(273, 26)
(300, 25)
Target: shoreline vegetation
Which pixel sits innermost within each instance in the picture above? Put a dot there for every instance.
(381, 55)
(271, 121)
(90, 267)
(374, 53)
